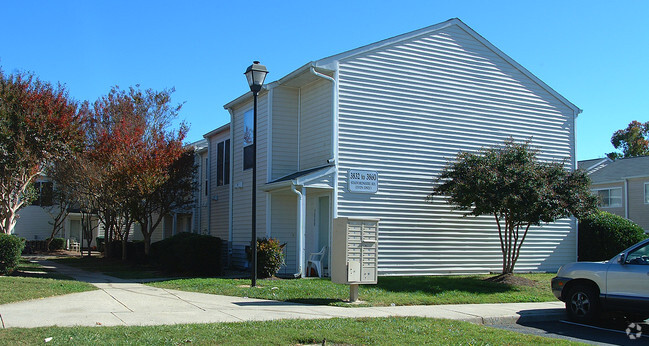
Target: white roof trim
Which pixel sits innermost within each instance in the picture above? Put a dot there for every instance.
(217, 130)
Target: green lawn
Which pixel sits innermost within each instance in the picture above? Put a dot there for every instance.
(32, 281)
(387, 331)
(417, 290)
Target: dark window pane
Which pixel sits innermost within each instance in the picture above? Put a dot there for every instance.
(37, 190)
(248, 159)
(46, 194)
(219, 164)
(226, 163)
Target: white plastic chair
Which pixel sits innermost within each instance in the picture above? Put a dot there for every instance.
(74, 245)
(315, 259)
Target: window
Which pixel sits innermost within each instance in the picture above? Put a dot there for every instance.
(207, 182)
(223, 163)
(43, 194)
(609, 198)
(639, 256)
(248, 140)
(646, 193)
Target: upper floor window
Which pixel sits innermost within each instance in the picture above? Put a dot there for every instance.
(609, 198)
(646, 193)
(223, 163)
(248, 139)
(43, 194)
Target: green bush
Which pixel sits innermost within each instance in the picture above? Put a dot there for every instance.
(188, 253)
(270, 257)
(603, 235)
(10, 249)
(57, 244)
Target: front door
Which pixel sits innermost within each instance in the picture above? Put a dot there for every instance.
(324, 220)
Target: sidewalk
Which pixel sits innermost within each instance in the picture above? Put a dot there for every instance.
(125, 303)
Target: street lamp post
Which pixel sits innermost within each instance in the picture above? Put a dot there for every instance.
(255, 74)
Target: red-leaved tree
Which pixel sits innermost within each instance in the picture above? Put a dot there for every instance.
(38, 124)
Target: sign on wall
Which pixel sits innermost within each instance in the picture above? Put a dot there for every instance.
(363, 181)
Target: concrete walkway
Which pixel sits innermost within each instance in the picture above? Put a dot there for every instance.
(125, 303)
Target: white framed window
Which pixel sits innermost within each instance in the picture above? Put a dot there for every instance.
(646, 193)
(609, 198)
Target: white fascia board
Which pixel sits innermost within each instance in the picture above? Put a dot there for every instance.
(216, 131)
(305, 179)
(248, 95)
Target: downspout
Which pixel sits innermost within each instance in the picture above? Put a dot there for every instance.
(334, 130)
(300, 230)
(626, 199)
(230, 189)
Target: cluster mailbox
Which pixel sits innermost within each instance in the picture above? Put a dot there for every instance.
(354, 251)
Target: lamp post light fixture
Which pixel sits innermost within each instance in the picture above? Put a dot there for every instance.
(255, 73)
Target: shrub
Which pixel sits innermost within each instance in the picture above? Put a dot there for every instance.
(57, 244)
(188, 253)
(603, 235)
(10, 249)
(270, 257)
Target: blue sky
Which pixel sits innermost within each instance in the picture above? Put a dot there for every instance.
(595, 53)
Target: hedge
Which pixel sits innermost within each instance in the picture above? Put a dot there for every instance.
(603, 235)
(188, 253)
(10, 249)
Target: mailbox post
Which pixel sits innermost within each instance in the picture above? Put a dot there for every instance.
(354, 253)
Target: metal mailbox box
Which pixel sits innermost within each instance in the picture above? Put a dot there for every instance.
(354, 251)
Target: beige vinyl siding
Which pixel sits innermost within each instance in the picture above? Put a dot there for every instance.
(284, 225)
(284, 132)
(219, 195)
(241, 197)
(315, 124)
(405, 110)
(638, 209)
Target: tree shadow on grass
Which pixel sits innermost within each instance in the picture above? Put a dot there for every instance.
(439, 284)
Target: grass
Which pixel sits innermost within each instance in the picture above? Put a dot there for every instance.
(32, 281)
(386, 331)
(112, 267)
(417, 290)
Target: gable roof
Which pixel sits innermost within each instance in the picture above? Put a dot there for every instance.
(330, 63)
(621, 169)
(593, 165)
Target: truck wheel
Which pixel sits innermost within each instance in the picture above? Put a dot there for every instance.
(582, 303)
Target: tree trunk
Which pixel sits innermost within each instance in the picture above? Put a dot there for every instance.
(147, 244)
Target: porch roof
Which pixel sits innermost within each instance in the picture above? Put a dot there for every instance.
(301, 178)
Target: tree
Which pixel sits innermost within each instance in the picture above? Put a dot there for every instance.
(174, 193)
(133, 151)
(510, 183)
(632, 141)
(38, 124)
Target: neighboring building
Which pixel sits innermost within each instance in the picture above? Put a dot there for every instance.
(400, 108)
(622, 186)
(35, 220)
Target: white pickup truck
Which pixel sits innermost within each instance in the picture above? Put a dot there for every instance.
(619, 284)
